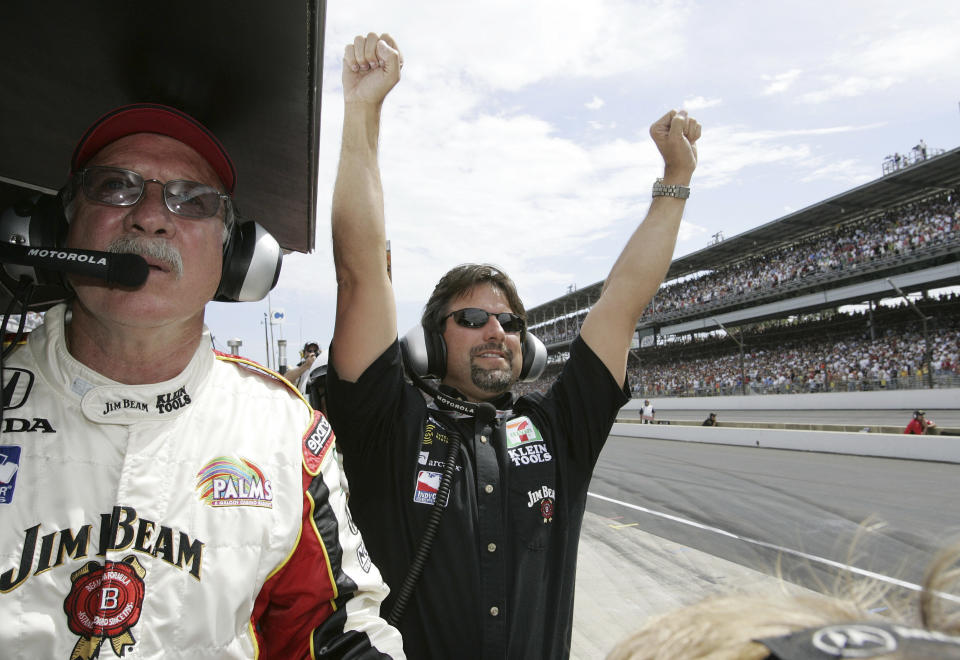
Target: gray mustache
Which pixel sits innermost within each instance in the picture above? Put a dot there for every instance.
(158, 249)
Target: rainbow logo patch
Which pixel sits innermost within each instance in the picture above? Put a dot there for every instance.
(227, 481)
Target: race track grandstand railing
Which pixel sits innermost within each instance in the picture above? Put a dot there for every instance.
(914, 382)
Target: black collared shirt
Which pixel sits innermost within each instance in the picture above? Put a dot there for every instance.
(499, 581)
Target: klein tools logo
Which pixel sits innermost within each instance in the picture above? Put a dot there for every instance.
(525, 445)
(227, 481)
(105, 602)
(171, 401)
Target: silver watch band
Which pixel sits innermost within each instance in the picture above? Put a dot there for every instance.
(661, 189)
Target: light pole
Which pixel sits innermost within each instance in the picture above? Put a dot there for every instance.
(743, 376)
(266, 337)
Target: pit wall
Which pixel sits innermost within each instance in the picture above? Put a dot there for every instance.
(944, 448)
(908, 400)
(914, 447)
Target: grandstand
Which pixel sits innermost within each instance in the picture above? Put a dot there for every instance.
(895, 235)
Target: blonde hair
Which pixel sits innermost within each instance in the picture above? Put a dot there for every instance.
(725, 627)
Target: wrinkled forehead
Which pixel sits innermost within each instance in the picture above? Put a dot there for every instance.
(156, 156)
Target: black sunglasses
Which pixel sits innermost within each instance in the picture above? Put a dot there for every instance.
(474, 317)
(119, 187)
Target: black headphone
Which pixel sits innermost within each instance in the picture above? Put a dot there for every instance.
(251, 256)
(425, 353)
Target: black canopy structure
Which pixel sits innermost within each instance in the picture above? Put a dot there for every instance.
(250, 70)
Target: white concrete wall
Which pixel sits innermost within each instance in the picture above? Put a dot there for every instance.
(936, 399)
(915, 447)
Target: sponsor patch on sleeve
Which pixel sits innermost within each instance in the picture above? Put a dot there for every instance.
(317, 442)
(9, 465)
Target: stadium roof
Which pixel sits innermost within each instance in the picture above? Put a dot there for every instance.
(938, 173)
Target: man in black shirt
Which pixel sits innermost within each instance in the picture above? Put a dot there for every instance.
(499, 579)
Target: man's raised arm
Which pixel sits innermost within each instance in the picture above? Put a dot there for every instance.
(366, 312)
(641, 267)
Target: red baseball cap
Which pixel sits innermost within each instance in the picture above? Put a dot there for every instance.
(155, 118)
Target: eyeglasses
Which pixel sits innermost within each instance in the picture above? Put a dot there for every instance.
(474, 317)
(120, 187)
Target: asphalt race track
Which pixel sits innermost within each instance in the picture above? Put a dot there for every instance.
(670, 522)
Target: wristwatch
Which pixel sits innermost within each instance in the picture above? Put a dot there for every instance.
(661, 189)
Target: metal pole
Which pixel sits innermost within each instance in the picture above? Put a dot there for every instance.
(927, 352)
(743, 375)
(266, 338)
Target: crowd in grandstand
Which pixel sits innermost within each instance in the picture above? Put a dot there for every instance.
(899, 232)
(806, 366)
(832, 353)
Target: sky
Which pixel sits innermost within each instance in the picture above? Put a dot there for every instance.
(518, 133)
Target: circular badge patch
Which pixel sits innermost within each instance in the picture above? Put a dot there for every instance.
(105, 602)
(546, 509)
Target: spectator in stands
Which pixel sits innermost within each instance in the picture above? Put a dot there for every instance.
(919, 425)
(647, 412)
(808, 626)
(711, 420)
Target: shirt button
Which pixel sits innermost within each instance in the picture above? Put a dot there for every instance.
(491, 547)
(494, 611)
(483, 439)
(488, 488)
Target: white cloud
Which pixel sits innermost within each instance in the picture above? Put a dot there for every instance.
(601, 125)
(534, 41)
(851, 172)
(732, 150)
(850, 87)
(595, 103)
(780, 82)
(699, 102)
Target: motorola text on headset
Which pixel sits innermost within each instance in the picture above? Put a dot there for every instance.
(33, 232)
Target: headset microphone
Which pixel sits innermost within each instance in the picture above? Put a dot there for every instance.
(129, 270)
(486, 413)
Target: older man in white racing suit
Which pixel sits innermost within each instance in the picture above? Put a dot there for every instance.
(158, 499)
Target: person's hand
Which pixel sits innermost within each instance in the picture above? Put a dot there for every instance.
(371, 67)
(309, 359)
(676, 135)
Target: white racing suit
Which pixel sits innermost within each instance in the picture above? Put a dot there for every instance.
(201, 517)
